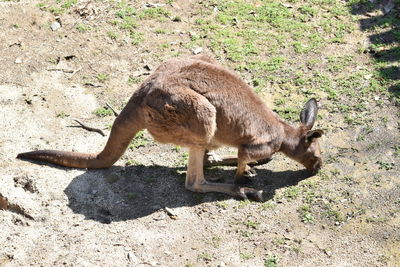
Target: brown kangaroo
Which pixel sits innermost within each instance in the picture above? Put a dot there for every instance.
(198, 104)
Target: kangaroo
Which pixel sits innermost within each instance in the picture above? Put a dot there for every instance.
(196, 103)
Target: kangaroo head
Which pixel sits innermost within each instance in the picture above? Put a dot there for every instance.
(308, 151)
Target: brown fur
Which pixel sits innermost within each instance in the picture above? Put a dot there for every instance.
(198, 104)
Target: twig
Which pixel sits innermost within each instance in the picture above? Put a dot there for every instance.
(89, 128)
(93, 84)
(63, 70)
(75, 71)
(112, 109)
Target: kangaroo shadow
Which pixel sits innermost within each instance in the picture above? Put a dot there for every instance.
(124, 193)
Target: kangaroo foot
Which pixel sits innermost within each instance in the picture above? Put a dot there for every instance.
(249, 193)
(230, 189)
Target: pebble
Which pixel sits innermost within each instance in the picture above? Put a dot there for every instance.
(197, 50)
(18, 60)
(55, 26)
(160, 217)
(171, 213)
(328, 252)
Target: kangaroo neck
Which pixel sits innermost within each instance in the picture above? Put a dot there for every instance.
(291, 140)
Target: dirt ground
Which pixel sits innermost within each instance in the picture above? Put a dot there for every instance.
(138, 213)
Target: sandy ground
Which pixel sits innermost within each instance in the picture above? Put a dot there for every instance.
(121, 216)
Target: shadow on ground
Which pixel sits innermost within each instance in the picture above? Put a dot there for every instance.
(124, 193)
(382, 19)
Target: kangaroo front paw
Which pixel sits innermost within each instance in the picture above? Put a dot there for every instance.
(250, 172)
(246, 176)
(249, 193)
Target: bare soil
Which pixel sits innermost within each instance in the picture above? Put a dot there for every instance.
(140, 214)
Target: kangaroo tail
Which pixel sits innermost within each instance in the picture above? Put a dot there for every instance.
(125, 127)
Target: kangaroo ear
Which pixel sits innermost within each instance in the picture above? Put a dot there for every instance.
(311, 135)
(309, 113)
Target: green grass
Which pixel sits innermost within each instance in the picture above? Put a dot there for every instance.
(204, 256)
(140, 140)
(112, 35)
(251, 224)
(222, 204)
(306, 215)
(62, 115)
(134, 80)
(102, 77)
(157, 13)
(271, 261)
(182, 160)
(396, 149)
(57, 7)
(292, 192)
(103, 112)
(82, 27)
(245, 256)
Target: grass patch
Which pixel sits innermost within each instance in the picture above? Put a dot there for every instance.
(103, 112)
(292, 192)
(57, 7)
(102, 77)
(140, 140)
(306, 215)
(271, 261)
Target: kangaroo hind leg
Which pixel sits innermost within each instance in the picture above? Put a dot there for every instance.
(195, 180)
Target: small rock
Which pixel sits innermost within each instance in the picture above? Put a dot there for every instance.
(368, 76)
(160, 217)
(286, 5)
(171, 213)
(3, 203)
(131, 257)
(193, 35)
(176, 19)
(148, 4)
(328, 252)
(55, 25)
(197, 50)
(18, 60)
